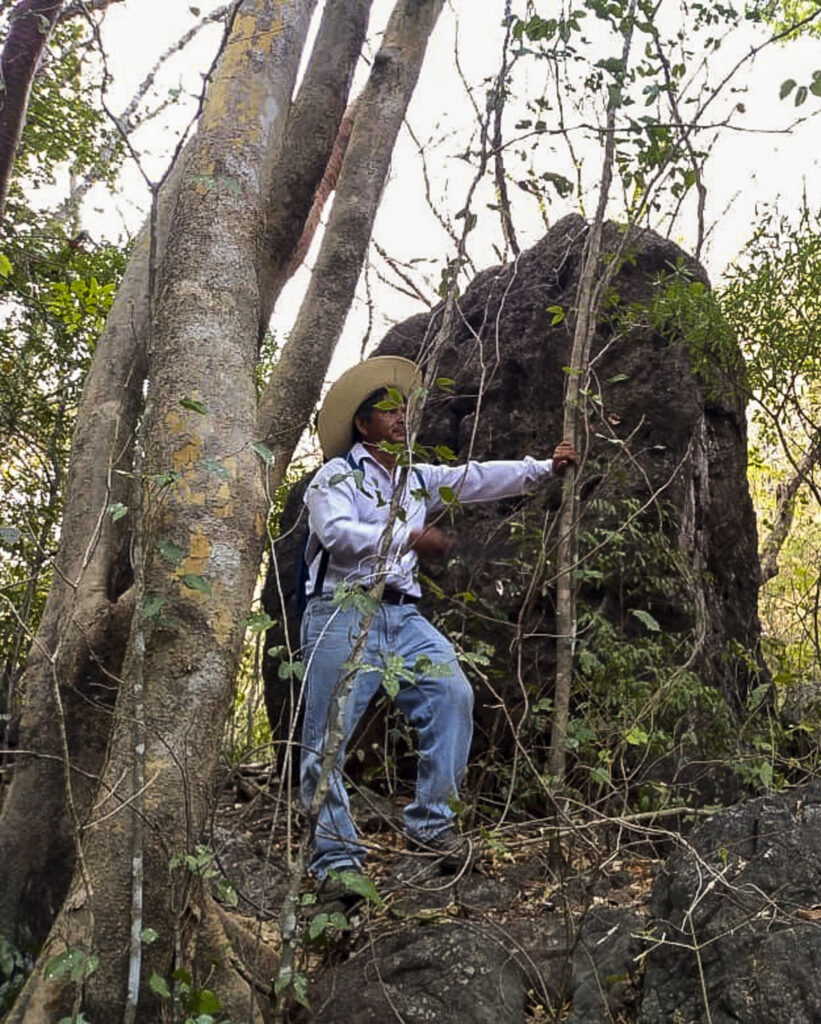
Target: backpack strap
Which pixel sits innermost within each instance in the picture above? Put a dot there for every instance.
(311, 551)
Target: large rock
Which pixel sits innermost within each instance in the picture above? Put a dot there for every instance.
(444, 972)
(667, 524)
(736, 912)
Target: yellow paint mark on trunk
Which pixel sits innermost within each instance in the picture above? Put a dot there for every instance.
(221, 619)
(199, 551)
(223, 506)
(187, 456)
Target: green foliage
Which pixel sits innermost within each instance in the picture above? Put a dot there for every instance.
(77, 963)
(65, 124)
(200, 1004)
(773, 301)
(15, 967)
(56, 286)
(683, 308)
(54, 302)
(356, 882)
(788, 17)
(202, 864)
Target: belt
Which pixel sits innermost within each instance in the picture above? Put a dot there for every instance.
(392, 596)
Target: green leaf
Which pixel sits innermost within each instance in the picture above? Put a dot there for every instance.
(445, 453)
(445, 383)
(264, 452)
(215, 466)
(83, 965)
(61, 963)
(647, 619)
(301, 989)
(556, 315)
(800, 95)
(447, 494)
(562, 185)
(291, 668)
(195, 405)
(152, 605)
(159, 985)
(390, 684)
(356, 882)
(228, 894)
(637, 736)
(194, 582)
(394, 400)
(5, 265)
(258, 622)
(148, 935)
(319, 922)
(787, 87)
(116, 510)
(171, 551)
(203, 1001)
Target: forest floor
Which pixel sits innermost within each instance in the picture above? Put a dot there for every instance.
(530, 886)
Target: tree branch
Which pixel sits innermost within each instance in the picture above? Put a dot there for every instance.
(31, 24)
(785, 510)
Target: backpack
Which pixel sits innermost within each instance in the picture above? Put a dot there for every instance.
(311, 547)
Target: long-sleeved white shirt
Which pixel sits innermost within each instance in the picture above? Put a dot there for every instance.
(348, 511)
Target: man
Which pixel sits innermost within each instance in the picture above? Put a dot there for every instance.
(348, 505)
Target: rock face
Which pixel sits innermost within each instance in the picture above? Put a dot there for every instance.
(738, 906)
(667, 526)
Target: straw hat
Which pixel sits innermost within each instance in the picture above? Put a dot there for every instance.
(335, 420)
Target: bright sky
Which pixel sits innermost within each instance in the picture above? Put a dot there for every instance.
(764, 164)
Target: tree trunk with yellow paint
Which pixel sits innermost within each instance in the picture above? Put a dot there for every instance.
(131, 676)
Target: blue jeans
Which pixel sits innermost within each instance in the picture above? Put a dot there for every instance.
(438, 703)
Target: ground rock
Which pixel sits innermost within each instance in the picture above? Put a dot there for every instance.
(440, 973)
(739, 904)
(604, 971)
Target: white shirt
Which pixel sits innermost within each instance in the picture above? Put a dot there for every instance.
(348, 510)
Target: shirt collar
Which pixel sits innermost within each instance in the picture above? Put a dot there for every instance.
(361, 454)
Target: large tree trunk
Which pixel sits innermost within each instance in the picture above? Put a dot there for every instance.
(198, 516)
(68, 690)
(309, 140)
(202, 349)
(296, 382)
(31, 25)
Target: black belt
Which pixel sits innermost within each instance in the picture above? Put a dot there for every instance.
(392, 596)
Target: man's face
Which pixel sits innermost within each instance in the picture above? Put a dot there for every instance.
(384, 425)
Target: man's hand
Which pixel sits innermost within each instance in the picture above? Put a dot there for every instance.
(563, 456)
(431, 543)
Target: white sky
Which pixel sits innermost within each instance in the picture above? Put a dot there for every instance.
(765, 164)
